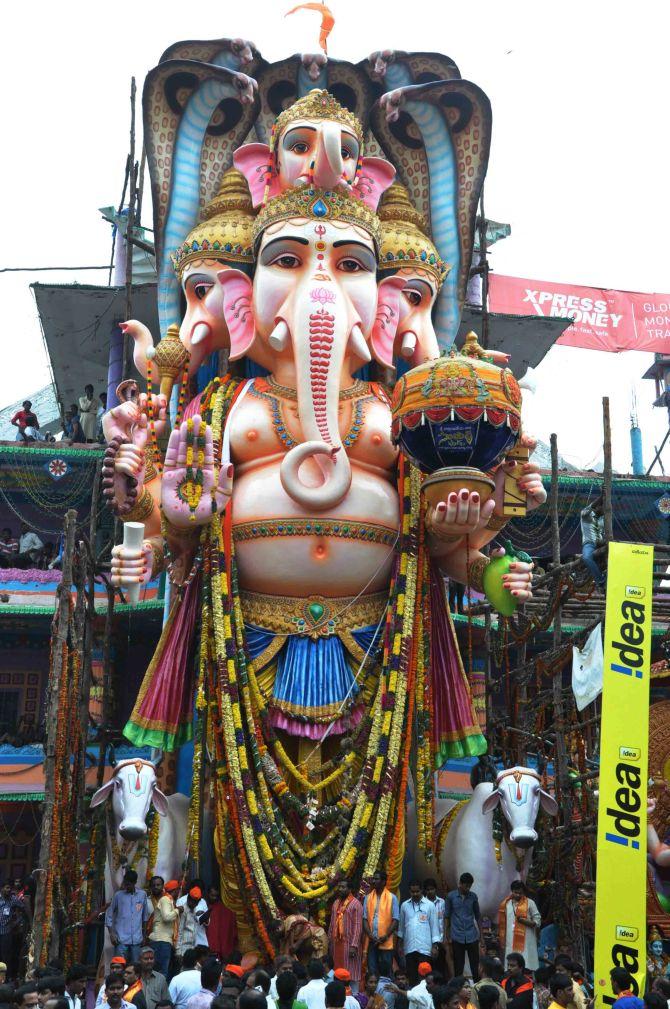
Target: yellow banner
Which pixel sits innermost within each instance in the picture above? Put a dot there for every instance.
(621, 880)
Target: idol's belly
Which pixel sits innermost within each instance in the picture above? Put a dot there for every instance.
(283, 550)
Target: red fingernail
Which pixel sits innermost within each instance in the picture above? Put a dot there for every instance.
(475, 496)
(229, 470)
(453, 498)
(442, 507)
(464, 494)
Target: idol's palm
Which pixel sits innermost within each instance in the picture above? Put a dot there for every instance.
(193, 487)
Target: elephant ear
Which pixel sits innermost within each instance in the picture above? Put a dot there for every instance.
(375, 178)
(237, 291)
(253, 160)
(389, 293)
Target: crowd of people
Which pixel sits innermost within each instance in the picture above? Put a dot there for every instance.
(82, 421)
(27, 550)
(173, 951)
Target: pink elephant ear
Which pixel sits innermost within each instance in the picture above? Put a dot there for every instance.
(375, 178)
(253, 160)
(387, 320)
(237, 311)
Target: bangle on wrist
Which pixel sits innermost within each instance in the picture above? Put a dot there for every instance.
(498, 522)
(142, 508)
(476, 573)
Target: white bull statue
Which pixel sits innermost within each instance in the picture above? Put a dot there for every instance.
(467, 843)
(133, 789)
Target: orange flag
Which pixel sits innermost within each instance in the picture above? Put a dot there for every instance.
(327, 20)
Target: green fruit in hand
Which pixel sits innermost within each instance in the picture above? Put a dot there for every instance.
(501, 598)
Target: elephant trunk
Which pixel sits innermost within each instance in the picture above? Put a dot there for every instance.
(143, 344)
(319, 350)
(328, 164)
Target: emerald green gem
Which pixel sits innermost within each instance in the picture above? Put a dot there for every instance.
(315, 611)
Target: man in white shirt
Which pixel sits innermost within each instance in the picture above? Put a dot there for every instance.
(419, 997)
(192, 909)
(189, 981)
(417, 931)
(30, 548)
(75, 982)
(313, 994)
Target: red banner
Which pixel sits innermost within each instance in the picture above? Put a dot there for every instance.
(603, 320)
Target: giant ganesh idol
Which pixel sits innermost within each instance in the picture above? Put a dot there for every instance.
(309, 627)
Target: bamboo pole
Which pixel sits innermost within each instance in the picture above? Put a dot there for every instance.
(484, 269)
(59, 640)
(607, 472)
(130, 224)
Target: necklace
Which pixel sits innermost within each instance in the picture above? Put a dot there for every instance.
(285, 391)
(261, 389)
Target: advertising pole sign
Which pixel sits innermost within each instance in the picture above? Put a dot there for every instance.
(602, 319)
(621, 878)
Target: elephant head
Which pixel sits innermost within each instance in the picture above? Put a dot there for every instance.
(222, 240)
(407, 254)
(317, 141)
(313, 303)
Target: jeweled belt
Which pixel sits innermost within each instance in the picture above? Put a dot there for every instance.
(313, 615)
(366, 532)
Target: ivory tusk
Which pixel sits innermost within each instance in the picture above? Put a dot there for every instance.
(408, 344)
(199, 333)
(358, 343)
(279, 336)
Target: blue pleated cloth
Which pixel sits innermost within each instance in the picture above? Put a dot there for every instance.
(315, 679)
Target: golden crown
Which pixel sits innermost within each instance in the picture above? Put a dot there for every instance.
(404, 242)
(225, 231)
(320, 205)
(318, 104)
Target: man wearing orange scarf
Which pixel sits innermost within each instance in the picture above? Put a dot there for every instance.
(381, 916)
(345, 933)
(519, 925)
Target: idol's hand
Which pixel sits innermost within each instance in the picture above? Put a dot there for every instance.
(131, 567)
(159, 406)
(193, 488)
(123, 464)
(528, 480)
(459, 516)
(518, 580)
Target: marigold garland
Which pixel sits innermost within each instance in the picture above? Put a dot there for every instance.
(294, 835)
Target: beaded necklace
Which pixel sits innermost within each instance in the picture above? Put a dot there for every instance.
(261, 389)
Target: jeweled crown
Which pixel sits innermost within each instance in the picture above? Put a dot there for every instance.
(225, 231)
(318, 104)
(404, 242)
(319, 205)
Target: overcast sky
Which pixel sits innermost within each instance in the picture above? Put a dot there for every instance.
(578, 166)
